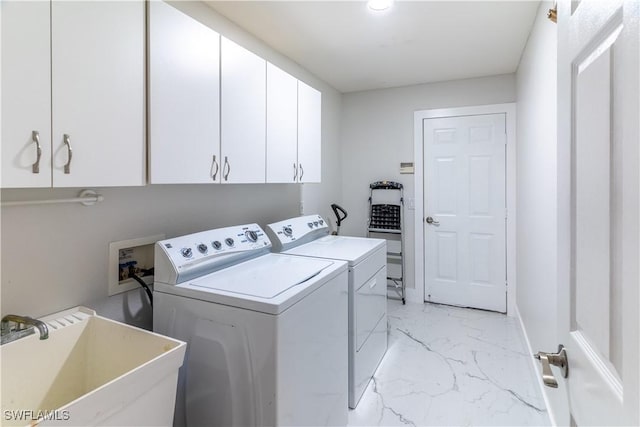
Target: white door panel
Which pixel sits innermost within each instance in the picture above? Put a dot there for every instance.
(598, 208)
(309, 133)
(282, 126)
(243, 93)
(465, 193)
(26, 93)
(98, 91)
(445, 200)
(184, 98)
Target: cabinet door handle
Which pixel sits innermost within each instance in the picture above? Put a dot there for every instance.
(35, 136)
(228, 167)
(301, 172)
(214, 163)
(295, 172)
(67, 142)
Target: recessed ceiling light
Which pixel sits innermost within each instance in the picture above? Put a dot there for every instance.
(379, 5)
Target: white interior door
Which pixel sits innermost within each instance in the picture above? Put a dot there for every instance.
(598, 208)
(464, 228)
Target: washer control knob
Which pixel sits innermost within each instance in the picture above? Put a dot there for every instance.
(310, 224)
(288, 231)
(186, 252)
(202, 248)
(315, 223)
(216, 244)
(252, 236)
(229, 241)
(321, 222)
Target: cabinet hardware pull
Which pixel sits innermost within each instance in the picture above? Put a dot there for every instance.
(67, 142)
(301, 172)
(35, 136)
(214, 173)
(228, 166)
(295, 172)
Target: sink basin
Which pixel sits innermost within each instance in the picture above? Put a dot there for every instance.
(90, 371)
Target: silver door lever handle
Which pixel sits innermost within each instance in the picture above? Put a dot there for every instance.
(431, 221)
(557, 359)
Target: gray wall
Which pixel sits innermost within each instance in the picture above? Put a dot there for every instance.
(378, 134)
(537, 195)
(55, 257)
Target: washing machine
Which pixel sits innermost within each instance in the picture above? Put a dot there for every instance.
(308, 236)
(266, 332)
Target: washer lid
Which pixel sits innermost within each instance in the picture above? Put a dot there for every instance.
(352, 249)
(269, 284)
(265, 277)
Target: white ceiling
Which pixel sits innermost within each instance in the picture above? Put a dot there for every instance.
(354, 49)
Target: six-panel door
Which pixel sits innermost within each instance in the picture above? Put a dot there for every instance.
(465, 252)
(598, 240)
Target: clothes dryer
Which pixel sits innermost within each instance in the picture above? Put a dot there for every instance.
(308, 236)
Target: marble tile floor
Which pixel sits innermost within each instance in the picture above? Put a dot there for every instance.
(452, 366)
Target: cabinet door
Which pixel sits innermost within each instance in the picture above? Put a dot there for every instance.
(26, 93)
(184, 98)
(282, 126)
(309, 133)
(98, 71)
(243, 111)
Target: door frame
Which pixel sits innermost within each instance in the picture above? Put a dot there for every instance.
(509, 109)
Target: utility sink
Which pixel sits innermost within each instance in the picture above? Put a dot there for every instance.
(90, 371)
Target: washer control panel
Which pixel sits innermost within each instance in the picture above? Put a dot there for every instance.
(296, 231)
(208, 250)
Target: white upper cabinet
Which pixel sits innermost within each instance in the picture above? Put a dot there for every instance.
(73, 74)
(26, 94)
(184, 98)
(309, 133)
(293, 129)
(98, 93)
(74, 102)
(282, 126)
(243, 114)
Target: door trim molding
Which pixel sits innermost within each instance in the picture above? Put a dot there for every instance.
(417, 294)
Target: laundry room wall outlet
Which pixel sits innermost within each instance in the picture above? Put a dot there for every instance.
(130, 256)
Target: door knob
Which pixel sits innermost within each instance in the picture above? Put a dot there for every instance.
(558, 359)
(431, 221)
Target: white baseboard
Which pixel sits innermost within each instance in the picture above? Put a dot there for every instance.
(414, 295)
(536, 369)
